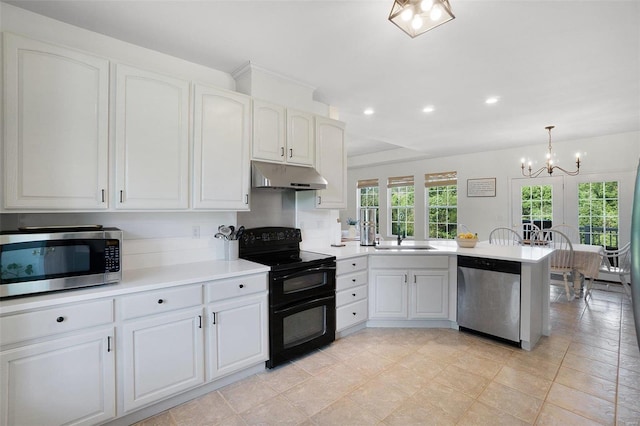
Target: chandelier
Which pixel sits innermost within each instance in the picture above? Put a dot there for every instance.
(415, 17)
(549, 167)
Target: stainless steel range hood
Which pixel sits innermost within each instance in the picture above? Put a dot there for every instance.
(273, 175)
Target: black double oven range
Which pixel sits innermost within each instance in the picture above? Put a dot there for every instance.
(302, 291)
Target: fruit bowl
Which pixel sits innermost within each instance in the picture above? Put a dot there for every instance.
(466, 242)
(467, 239)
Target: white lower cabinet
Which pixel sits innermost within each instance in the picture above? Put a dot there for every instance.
(404, 293)
(238, 331)
(65, 375)
(163, 355)
(162, 344)
(351, 292)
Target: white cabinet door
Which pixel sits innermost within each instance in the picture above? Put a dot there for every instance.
(300, 138)
(429, 296)
(163, 355)
(331, 163)
(388, 295)
(63, 381)
(238, 335)
(56, 127)
(152, 140)
(269, 137)
(222, 131)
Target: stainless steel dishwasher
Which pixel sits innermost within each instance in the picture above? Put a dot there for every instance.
(489, 297)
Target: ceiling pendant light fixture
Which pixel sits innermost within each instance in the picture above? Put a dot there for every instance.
(415, 17)
(549, 167)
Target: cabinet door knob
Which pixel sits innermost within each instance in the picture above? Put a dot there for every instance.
(241, 286)
(160, 301)
(59, 319)
(354, 313)
(353, 264)
(353, 279)
(353, 294)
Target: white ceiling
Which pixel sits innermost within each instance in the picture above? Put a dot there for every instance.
(572, 64)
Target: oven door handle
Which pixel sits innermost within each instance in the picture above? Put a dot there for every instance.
(306, 272)
(302, 306)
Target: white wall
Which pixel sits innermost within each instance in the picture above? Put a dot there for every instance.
(613, 156)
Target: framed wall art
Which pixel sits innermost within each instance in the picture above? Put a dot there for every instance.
(485, 187)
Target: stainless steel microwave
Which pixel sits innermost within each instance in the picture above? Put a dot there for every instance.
(43, 259)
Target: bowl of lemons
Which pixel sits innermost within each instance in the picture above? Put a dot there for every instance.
(467, 240)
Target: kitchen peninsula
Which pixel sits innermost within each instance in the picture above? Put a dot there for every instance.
(424, 276)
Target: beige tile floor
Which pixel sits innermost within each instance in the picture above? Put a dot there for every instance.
(586, 373)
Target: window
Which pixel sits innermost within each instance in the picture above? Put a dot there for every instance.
(368, 196)
(401, 204)
(537, 205)
(598, 213)
(442, 204)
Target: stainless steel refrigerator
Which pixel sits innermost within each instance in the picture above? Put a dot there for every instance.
(635, 254)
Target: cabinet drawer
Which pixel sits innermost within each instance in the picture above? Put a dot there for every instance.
(60, 319)
(159, 301)
(351, 295)
(235, 287)
(408, 261)
(351, 280)
(346, 266)
(351, 314)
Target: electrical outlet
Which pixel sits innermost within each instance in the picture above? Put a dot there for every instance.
(195, 231)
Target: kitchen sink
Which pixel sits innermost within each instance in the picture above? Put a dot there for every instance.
(405, 245)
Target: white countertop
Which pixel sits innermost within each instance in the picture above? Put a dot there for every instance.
(136, 280)
(524, 254)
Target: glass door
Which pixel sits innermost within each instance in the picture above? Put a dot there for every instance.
(539, 201)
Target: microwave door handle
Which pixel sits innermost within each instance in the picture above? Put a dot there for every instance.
(305, 305)
(307, 271)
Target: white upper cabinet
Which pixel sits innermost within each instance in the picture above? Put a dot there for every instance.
(221, 138)
(152, 140)
(56, 127)
(300, 138)
(331, 163)
(269, 137)
(282, 135)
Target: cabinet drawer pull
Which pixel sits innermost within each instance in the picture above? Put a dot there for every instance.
(108, 343)
(121, 196)
(241, 286)
(290, 152)
(103, 195)
(214, 317)
(199, 321)
(319, 200)
(160, 301)
(59, 319)
(405, 278)
(282, 151)
(246, 198)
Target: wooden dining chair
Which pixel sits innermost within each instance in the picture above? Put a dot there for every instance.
(505, 237)
(561, 260)
(570, 231)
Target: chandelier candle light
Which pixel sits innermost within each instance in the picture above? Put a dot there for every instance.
(415, 17)
(549, 167)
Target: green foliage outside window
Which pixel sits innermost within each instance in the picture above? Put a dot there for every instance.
(536, 203)
(402, 210)
(443, 211)
(598, 213)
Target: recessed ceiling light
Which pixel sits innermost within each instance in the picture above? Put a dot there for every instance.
(428, 108)
(491, 100)
(368, 111)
